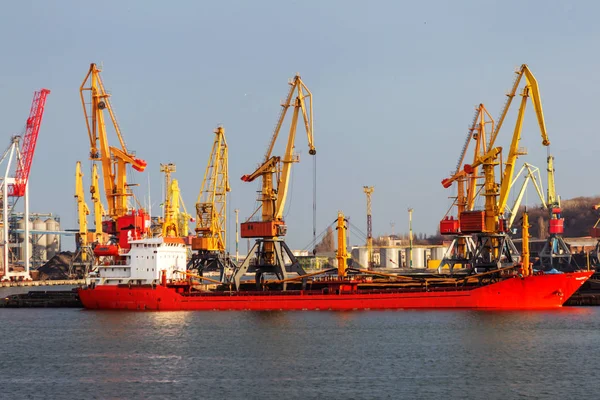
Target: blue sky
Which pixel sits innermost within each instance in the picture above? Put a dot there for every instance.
(394, 84)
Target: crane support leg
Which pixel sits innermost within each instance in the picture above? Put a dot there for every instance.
(258, 257)
(207, 261)
(556, 254)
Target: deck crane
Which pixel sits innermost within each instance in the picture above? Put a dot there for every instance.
(462, 244)
(114, 162)
(209, 245)
(15, 186)
(494, 247)
(555, 253)
(270, 249)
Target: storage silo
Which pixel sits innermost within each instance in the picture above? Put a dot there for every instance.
(389, 258)
(22, 241)
(418, 258)
(437, 253)
(39, 240)
(52, 239)
(363, 257)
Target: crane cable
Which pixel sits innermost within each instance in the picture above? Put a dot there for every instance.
(315, 198)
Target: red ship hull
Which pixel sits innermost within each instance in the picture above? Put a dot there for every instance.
(534, 292)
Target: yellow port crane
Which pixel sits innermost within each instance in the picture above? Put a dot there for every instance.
(82, 260)
(98, 207)
(113, 160)
(555, 253)
(169, 224)
(494, 248)
(82, 212)
(209, 245)
(269, 249)
(465, 200)
(342, 251)
(175, 216)
(466, 183)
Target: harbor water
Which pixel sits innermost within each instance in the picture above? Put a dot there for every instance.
(73, 353)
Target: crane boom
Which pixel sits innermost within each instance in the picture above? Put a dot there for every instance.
(273, 197)
(536, 99)
(114, 161)
(553, 199)
(211, 206)
(32, 129)
(531, 89)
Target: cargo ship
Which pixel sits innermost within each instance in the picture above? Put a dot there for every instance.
(152, 276)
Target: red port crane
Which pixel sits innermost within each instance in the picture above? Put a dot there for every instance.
(32, 130)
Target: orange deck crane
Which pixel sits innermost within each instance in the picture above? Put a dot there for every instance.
(270, 250)
(124, 222)
(466, 184)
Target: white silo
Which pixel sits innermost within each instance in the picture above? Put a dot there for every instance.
(437, 253)
(363, 257)
(52, 239)
(418, 259)
(389, 257)
(21, 239)
(39, 240)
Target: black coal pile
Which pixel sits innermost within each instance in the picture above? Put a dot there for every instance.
(57, 267)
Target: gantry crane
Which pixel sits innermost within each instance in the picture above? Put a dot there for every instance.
(368, 192)
(114, 162)
(14, 186)
(555, 253)
(270, 250)
(209, 245)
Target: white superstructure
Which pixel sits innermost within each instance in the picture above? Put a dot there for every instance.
(144, 263)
